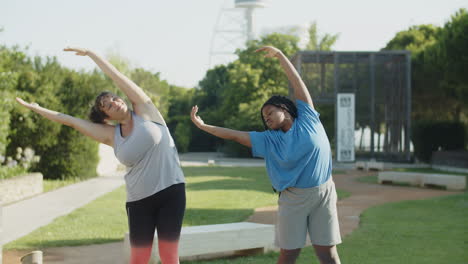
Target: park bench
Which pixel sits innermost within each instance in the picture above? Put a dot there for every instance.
(456, 183)
(198, 242)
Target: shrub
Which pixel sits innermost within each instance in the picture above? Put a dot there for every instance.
(430, 136)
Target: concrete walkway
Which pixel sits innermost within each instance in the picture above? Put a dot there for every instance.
(21, 218)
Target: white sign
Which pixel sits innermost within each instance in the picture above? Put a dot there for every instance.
(345, 127)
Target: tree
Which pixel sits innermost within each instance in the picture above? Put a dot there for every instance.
(426, 94)
(320, 42)
(450, 55)
(415, 39)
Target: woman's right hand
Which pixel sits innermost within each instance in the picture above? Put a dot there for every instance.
(79, 51)
(270, 51)
(196, 119)
(31, 106)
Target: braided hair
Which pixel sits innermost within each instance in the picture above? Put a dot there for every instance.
(281, 102)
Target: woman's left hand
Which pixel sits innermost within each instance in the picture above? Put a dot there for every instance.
(196, 119)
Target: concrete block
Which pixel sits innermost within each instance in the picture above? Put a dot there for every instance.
(375, 165)
(405, 177)
(455, 183)
(35, 257)
(212, 239)
(451, 182)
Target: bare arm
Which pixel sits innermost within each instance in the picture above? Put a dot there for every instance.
(99, 132)
(141, 102)
(241, 137)
(299, 87)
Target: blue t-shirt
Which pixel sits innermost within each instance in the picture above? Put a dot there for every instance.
(300, 157)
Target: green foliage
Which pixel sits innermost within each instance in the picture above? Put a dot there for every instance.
(64, 153)
(450, 55)
(439, 57)
(320, 43)
(430, 136)
(10, 172)
(232, 95)
(182, 133)
(8, 83)
(157, 89)
(415, 39)
(178, 117)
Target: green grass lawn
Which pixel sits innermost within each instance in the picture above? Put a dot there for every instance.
(50, 185)
(428, 232)
(215, 195)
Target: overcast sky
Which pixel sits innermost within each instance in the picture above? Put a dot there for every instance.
(174, 37)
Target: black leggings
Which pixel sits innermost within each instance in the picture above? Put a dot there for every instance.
(163, 211)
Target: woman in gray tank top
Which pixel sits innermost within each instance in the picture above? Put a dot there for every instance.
(141, 141)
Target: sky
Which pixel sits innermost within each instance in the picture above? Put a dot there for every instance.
(174, 37)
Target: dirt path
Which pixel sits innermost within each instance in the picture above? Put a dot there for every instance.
(362, 197)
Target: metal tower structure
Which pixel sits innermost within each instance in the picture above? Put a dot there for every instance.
(234, 27)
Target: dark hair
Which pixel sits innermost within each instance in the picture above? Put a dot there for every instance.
(96, 114)
(281, 102)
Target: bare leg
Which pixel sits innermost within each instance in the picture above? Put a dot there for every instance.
(327, 254)
(140, 255)
(288, 256)
(169, 251)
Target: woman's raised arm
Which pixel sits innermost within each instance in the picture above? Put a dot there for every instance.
(100, 132)
(141, 102)
(299, 87)
(241, 137)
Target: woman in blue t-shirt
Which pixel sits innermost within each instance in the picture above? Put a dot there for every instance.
(299, 164)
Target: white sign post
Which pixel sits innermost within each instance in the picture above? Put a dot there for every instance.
(345, 111)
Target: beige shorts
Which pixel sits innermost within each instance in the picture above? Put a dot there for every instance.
(307, 210)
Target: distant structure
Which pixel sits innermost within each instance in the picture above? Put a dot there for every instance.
(381, 84)
(249, 6)
(234, 27)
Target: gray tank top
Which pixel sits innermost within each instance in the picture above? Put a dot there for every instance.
(151, 158)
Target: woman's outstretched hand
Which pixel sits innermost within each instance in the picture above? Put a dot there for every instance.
(270, 51)
(26, 104)
(79, 51)
(196, 119)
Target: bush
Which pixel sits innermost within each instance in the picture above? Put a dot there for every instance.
(430, 136)
(10, 172)
(18, 164)
(5, 117)
(65, 153)
(182, 134)
(74, 156)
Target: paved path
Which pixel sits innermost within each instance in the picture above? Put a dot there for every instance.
(44, 208)
(21, 218)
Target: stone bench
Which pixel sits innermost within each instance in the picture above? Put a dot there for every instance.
(369, 165)
(451, 182)
(223, 239)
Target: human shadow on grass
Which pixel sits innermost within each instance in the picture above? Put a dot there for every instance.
(241, 184)
(203, 216)
(243, 172)
(66, 243)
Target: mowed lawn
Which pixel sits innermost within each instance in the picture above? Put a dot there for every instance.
(430, 231)
(427, 231)
(214, 195)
